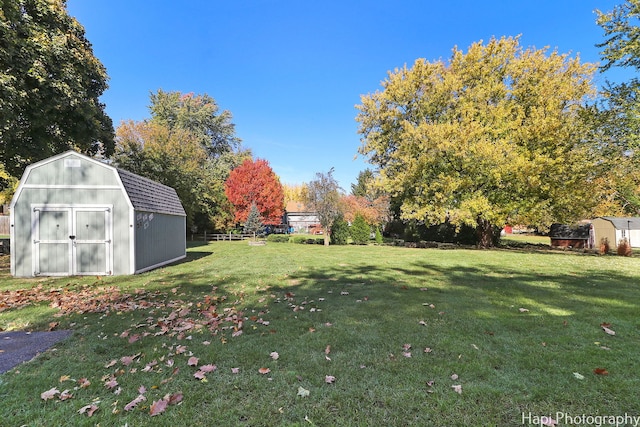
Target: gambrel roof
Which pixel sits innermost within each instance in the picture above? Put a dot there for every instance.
(150, 196)
(624, 223)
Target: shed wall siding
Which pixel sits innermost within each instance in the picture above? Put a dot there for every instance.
(23, 240)
(72, 170)
(159, 239)
(604, 229)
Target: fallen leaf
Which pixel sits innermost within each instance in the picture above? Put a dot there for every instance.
(175, 398)
(111, 363)
(200, 375)
(84, 383)
(142, 389)
(329, 379)
(600, 371)
(64, 378)
(264, 371)
(274, 355)
(327, 350)
(112, 383)
(406, 347)
(193, 361)
(208, 368)
(457, 388)
(127, 360)
(129, 406)
(428, 350)
(406, 354)
(548, 422)
(454, 377)
(523, 310)
(422, 322)
(235, 370)
(89, 409)
(158, 407)
(578, 375)
(303, 392)
(608, 331)
(49, 394)
(65, 395)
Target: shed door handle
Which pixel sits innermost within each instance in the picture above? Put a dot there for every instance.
(72, 237)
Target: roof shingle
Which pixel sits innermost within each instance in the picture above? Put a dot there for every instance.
(150, 196)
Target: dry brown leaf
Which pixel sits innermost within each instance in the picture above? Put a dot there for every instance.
(49, 394)
(129, 406)
(88, 409)
(158, 407)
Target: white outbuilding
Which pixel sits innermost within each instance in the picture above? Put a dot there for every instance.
(74, 215)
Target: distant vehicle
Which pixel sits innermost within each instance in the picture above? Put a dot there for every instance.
(281, 229)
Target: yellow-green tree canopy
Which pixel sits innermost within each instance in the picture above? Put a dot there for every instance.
(489, 137)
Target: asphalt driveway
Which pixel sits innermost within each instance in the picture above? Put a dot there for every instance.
(19, 346)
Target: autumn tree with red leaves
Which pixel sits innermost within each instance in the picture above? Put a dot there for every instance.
(255, 182)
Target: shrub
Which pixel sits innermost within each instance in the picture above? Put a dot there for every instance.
(339, 231)
(360, 230)
(624, 248)
(378, 236)
(299, 239)
(278, 238)
(604, 246)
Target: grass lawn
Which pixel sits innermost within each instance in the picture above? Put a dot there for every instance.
(303, 335)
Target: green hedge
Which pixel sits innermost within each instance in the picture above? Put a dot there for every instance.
(278, 238)
(307, 240)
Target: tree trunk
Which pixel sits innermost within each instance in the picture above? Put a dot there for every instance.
(327, 237)
(484, 231)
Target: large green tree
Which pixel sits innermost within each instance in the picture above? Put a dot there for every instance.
(201, 115)
(616, 117)
(179, 153)
(489, 137)
(50, 82)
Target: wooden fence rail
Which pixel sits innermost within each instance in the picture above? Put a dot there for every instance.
(220, 236)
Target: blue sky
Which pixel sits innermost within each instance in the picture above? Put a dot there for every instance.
(291, 71)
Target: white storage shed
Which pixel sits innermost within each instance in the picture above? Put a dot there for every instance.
(74, 215)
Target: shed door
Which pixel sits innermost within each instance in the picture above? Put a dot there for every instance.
(72, 240)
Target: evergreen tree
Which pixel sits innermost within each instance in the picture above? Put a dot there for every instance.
(360, 230)
(339, 231)
(254, 222)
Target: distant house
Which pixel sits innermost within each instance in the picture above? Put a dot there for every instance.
(614, 229)
(299, 218)
(74, 215)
